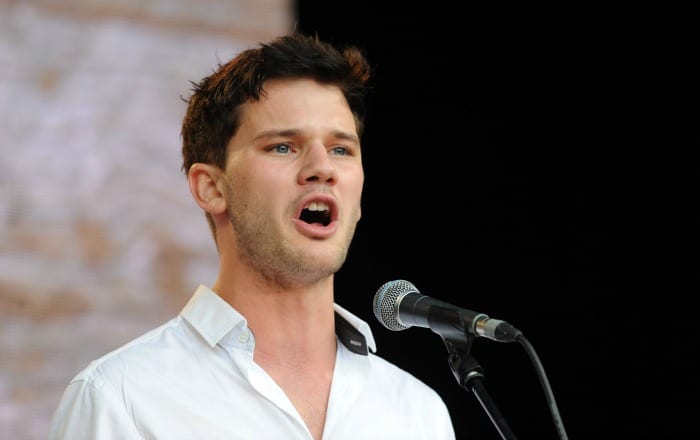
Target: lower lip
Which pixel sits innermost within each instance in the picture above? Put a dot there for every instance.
(315, 230)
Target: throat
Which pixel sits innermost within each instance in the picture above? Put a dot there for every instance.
(305, 380)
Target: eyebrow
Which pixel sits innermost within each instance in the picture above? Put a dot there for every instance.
(294, 132)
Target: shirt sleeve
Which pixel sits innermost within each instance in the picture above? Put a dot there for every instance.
(88, 411)
(444, 428)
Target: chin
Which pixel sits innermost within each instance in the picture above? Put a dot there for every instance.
(324, 264)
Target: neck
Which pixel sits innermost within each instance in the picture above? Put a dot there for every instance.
(285, 321)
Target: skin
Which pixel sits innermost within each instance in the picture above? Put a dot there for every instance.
(298, 144)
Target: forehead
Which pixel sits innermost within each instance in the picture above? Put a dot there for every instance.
(296, 103)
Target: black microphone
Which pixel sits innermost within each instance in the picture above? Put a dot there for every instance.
(399, 305)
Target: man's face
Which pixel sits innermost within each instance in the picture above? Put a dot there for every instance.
(295, 181)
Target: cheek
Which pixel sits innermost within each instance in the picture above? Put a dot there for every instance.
(262, 195)
(359, 186)
(357, 191)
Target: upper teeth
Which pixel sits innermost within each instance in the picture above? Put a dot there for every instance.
(317, 206)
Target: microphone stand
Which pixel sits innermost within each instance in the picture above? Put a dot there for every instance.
(465, 367)
(470, 376)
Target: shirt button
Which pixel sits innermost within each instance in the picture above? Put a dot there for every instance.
(243, 338)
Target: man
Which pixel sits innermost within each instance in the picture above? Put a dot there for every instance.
(272, 153)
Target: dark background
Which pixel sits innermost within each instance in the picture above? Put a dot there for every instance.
(537, 166)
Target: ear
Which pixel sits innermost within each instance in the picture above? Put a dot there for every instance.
(203, 179)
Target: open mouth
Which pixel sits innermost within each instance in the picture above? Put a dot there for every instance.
(316, 213)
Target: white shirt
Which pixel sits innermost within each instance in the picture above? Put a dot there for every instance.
(194, 378)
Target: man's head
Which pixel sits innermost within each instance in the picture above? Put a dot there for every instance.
(213, 112)
(271, 146)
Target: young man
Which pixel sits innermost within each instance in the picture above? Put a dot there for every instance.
(271, 149)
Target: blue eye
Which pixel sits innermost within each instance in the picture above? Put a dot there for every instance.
(282, 148)
(340, 151)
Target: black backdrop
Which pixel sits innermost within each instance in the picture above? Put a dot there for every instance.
(528, 165)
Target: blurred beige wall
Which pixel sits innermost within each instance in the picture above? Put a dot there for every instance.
(99, 238)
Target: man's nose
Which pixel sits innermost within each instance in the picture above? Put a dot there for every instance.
(318, 165)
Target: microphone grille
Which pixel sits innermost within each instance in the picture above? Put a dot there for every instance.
(386, 302)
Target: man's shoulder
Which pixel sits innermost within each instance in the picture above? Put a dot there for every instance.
(406, 400)
(391, 375)
(137, 355)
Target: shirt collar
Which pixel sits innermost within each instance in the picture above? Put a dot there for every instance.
(353, 332)
(210, 315)
(214, 318)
